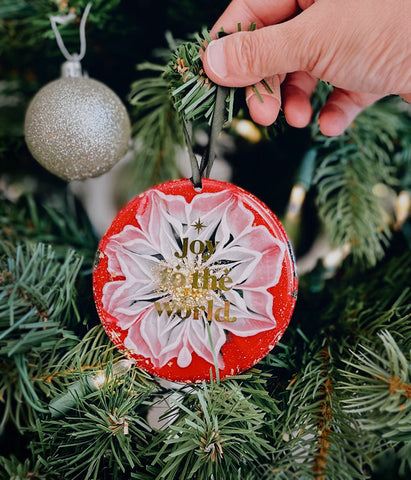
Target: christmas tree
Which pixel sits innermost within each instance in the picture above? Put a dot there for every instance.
(332, 400)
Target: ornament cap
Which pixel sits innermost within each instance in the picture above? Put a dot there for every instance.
(71, 69)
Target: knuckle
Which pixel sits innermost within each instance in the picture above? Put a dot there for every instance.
(247, 53)
(256, 54)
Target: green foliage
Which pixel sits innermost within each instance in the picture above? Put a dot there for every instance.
(216, 431)
(37, 304)
(96, 352)
(349, 168)
(358, 306)
(337, 415)
(37, 297)
(157, 133)
(193, 92)
(24, 23)
(379, 384)
(317, 438)
(61, 223)
(14, 469)
(39, 307)
(52, 374)
(178, 92)
(348, 208)
(100, 438)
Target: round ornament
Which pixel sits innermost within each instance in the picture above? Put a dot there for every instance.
(188, 279)
(77, 128)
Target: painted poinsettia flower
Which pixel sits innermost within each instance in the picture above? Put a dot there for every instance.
(189, 274)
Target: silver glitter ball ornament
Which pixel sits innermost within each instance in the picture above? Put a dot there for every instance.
(77, 128)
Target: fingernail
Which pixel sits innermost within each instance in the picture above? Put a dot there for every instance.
(215, 58)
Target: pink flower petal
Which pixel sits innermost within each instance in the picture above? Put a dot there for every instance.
(252, 255)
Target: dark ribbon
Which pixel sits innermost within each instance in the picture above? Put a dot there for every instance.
(208, 157)
(217, 123)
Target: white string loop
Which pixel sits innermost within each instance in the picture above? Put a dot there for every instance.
(62, 20)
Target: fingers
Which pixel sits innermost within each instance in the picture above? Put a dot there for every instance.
(245, 12)
(294, 95)
(341, 109)
(244, 58)
(332, 41)
(265, 106)
(326, 42)
(296, 92)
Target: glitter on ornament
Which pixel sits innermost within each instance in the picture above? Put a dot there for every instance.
(77, 128)
(177, 297)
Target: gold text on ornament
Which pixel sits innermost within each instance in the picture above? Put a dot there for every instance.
(198, 247)
(190, 285)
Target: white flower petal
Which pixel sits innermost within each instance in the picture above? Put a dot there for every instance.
(241, 262)
(252, 256)
(243, 322)
(184, 357)
(237, 218)
(163, 343)
(199, 341)
(249, 326)
(210, 204)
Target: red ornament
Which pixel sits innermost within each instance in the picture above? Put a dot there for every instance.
(186, 278)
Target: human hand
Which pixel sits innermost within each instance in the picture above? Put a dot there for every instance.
(362, 47)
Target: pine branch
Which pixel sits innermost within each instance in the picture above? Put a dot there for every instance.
(315, 435)
(14, 469)
(362, 306)
(349, 168)
(318, 440)
(216, 432)
(98, 439)
(181, 93)
(351, 213)
(378, 385)
(157, 135)
(26, 24)
(63, 225)
(193, 92)
(89, 357)
(350, 314)
(52, 374)
(37, 304)
(37, 297)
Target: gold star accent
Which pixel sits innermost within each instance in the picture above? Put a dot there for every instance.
(198, 225)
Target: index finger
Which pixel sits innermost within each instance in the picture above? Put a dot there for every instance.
(260, 12)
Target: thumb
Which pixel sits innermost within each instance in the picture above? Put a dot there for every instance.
(244, 58)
